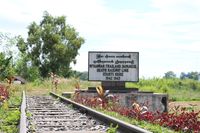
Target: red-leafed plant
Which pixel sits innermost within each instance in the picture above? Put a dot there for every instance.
(185, 121)
(4, 94)
(102, 96)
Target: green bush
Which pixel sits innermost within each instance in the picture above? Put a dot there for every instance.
(14, 102)
(12, 117)
(112, 129)
(9, 121)
(8, 128)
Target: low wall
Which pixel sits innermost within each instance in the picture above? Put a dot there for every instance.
(154, 101)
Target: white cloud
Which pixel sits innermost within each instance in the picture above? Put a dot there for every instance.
(165, 37)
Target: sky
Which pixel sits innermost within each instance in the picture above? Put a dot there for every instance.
(166, 33)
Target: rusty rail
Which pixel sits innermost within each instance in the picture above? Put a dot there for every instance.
(123, 127)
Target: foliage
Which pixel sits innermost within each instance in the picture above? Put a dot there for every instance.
(10, 121)
(33, 73)
(178, 90)
(9, 128)
(103, 96)
(51, 45)
(54, 81)
(80, 75)
(6, 69)
(112, 129)
(12, 117)
(190, 75)
(184, 121)
(14, 102)
(155, 128)
(4, 94)
(170, 74)
(8, 45)
(22, 68)
(77, 88)
(8, 55)
(10, 114)
(84, 76)
(37, 82)
(43, 86)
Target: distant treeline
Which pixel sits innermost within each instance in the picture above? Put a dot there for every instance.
(167, 75)
(183, 75)
(80, 75)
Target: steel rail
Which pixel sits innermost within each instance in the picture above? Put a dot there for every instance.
(23, 115)
(123, 127)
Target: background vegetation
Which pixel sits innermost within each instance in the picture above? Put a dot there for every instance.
(178, 89)
(10, 110)
(51, 46)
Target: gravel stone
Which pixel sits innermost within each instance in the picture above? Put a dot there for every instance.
(48, 114)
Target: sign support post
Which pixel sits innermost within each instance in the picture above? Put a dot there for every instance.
(110, 85)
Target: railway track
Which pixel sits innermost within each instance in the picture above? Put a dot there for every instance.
(56, 114)
(46, 114)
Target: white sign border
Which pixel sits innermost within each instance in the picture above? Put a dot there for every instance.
(113, 52)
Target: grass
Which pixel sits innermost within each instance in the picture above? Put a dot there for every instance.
(43, 87)
(143, 124)
(10, 112)
(178, 90)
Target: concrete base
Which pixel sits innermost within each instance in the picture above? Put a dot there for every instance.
(67, 94)
(154, 101)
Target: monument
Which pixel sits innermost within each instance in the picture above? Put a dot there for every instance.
(113, 70)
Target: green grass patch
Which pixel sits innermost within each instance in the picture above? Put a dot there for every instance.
(178, 90)
(43, 87)
(10, 112)
(143, 124)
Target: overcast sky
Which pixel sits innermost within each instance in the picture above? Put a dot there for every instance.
(166, 33)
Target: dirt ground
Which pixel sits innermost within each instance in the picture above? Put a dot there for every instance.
(186, 104)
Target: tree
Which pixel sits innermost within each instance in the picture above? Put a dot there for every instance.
(80, 75)
(170, 74)
(190, 75)
(183, 75)
(84, 76)
(8, 45)
(52, 45)
(193, 75)
(6, 69)
(22, 68)
(7, 42)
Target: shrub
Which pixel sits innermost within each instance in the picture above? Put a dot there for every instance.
(4, 94)
(185, 121)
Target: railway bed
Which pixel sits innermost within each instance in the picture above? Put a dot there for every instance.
(56, 114)
(46, 113)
